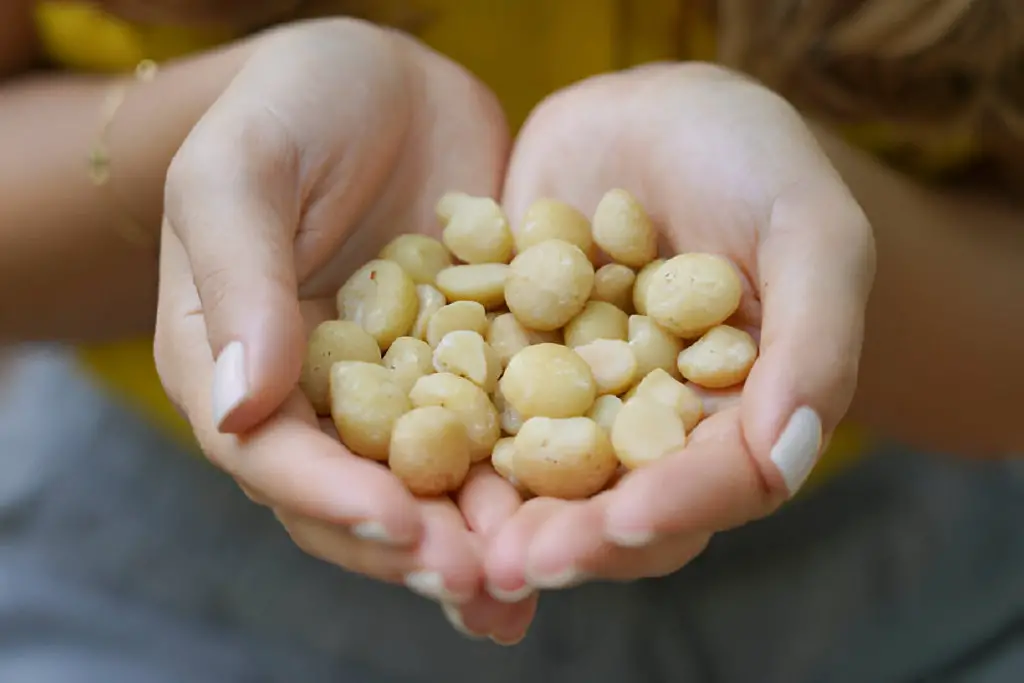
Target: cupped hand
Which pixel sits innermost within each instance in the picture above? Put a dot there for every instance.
(333, 138)
(724, 166)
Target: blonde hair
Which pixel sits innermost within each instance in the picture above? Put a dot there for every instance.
(936, 68)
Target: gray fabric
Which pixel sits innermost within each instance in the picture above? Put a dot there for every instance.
(123, 559)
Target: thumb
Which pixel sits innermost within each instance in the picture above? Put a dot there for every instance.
(816, 264)
(231, 199)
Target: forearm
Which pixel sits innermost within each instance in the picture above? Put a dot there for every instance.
(943, 365)
(67, 270)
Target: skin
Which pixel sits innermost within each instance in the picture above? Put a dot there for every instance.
(301, 195)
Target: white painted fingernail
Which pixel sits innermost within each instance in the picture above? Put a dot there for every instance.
(372, 531)
(796, 450)
(454, 617)
(230, 381)
(430, 585)
(566, 578)
(630, 539)
(510, 597)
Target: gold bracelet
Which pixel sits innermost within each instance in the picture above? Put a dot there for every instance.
(100, 158)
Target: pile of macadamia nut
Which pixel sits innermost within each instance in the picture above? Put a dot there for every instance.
(521, 349)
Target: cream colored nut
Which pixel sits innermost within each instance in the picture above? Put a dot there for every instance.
(466, 354)
(613, 282)
(332, 341)
(646, 430)
(612, 363)
(421, 256)
(365, 404)
(483, 283)
(478, 232)
(717, 400)
(549, 284)
(691, 293)
(502, 460)
(623, 229)
(550, 219)
(458, 315)
(721, 358)
(409, 359)
(431, 300)
(604, 411)
(430, 451)
(665, 388)
(446, 205)
(548, 380)
(511, 420)
(381, 298)
(653, 346)
(597, 320)
(569, 458)
(508, 336)
(466, 400)
(643, 280)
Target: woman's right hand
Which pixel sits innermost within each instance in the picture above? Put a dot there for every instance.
(335, 136)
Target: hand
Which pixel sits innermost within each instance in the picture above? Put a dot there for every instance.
(334, 137)
(724, 166)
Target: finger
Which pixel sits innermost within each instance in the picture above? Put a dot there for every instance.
(232, 198)
(571, 543)
(505, 559)
(334, 544)
(485, 617)
(816, 267)
(713, 484)
(450, 568)
(444, 567)
(487, 500)
(287, 461)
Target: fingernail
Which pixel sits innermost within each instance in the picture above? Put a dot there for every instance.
(454, 617)
(230, 382)
(797, 448)
(566, 578)
(510, 597)
(498, 640)
(372, 531)
(629, 539)
(430, 585)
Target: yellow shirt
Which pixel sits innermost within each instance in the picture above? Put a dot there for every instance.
(524, 49)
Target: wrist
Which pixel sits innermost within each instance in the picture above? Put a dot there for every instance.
(153, 116)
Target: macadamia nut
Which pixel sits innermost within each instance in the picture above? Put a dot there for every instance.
(548, 380)
(643, 279)
(611, 362)
(550, 219)
(665, 388)
(691, 293)
(330, 342)
(645, 431)
(366, 402)
(548, 284)
(408, 359)
(722, 358)
(458, 315)
(420, 256)
(430, 451)
(597, 320)
(466, 400)
(567, 458)
(430, 302)
(466, 354)
(653, 346)
(604, 411)
(623, 229)
(483, 283)
(478, 231)
(381, 298)
(613, 283)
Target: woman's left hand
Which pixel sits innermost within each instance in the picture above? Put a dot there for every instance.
(724, 166)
